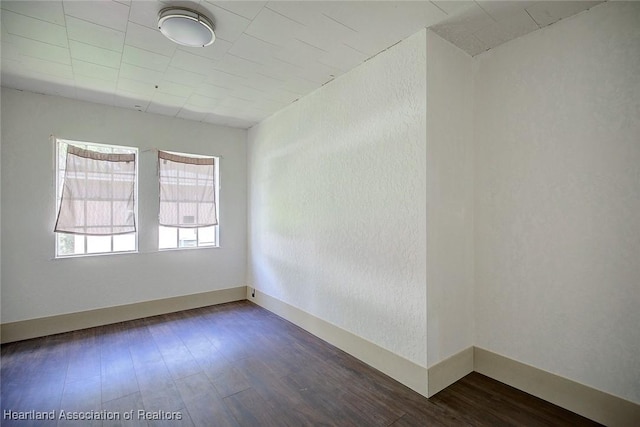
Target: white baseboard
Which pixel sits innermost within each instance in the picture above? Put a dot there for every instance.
(32, 328)
(402, 370)
(594, 404)
(450, 370)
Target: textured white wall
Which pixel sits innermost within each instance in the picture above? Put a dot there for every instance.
(337, 201)
(33, 283)
(449, 200)
(557, 200)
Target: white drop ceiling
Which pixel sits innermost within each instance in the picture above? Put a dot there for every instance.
(266, 54)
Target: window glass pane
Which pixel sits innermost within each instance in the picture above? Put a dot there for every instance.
(124, 242)
(70, 244)
(207, 236)
(168, 237)
(188, 238)
(96, 244)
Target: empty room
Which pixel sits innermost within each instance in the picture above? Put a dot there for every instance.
(302, 213)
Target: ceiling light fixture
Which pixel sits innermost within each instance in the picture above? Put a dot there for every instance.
(186, 27)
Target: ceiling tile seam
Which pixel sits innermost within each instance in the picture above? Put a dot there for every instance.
(226, 72)
(532, 18)
(37, 40)
(341, 23)
(230, 11)
(310, 45)
(66, 30)
(441, 9)
(486, 13)
(270, 77)
(92, 45)
(102, 25)
(284, 16)
(39, 57)
(356, 49)
(32, 17)
(263, 41)
(124, 43)
(91, 22)
(245, 59)
(287, 62)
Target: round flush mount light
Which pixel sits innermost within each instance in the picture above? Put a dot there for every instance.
(186, 27)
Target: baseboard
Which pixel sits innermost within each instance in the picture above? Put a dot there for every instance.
(594, 404)
(32, 328)
(402, 370)
(450, 370)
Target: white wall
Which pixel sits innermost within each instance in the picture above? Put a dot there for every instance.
(557, 200)
(33, 283)
(449, 200)
(337, 200)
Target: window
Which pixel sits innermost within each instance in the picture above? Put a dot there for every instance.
(188, 215)
(96, 189)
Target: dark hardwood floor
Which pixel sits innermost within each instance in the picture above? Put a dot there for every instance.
(234, 365)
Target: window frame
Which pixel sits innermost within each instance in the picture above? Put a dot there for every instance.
(216, 174)
(59, 182)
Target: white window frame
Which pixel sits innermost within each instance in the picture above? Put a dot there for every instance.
(216, 174)
(58, 169)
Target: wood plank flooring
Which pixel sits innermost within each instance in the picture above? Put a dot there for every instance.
(235, 365)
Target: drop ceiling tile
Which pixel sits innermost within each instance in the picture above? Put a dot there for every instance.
(95, 84)
(548, 12)
(212, 91)
(38, 49)
(299, 53)
(282, 95)
(246, 93)
(221, 78)
(453, 7)
(50, 11)
(399, 21)
(89, 69)
(143, 58)
(227, 25)
(190, 62)
(253, 49)
(263, 82)
(144, 89)
(235, 65)
(162, 109)
(166, 99)
(228, 121)
(274, 28)
(189, 112)
(215, 51)
(305, 13)
(184, 77)
(94, 95)
(500, 10)
(93, 34)
(145, 13)
(343, 57)
(94, 54)
(149, 39)
(133, 72)
(204, 102)
(247, 9)
(34, 29)
(175, 89)
(49, 68)
(516, 24)
(107, 13)
(468, 22)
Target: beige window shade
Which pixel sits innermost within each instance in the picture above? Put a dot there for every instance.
(187, 191)
(98, 196)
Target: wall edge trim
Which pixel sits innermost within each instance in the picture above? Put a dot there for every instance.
(397, 367)
(589, 402)
(43, 326)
